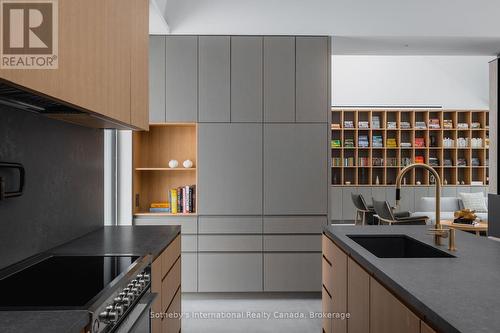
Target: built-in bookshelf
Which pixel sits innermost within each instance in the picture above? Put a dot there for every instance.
(370, 146)
(153, 179)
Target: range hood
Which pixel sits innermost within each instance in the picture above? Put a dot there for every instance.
(21, 98)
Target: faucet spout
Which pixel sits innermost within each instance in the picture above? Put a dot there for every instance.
(438, 190)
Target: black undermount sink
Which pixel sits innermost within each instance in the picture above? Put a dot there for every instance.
(397, 246)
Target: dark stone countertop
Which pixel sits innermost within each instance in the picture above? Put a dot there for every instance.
(120, 240)
(459, 294)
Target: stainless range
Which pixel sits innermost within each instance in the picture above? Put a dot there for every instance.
(114, 289)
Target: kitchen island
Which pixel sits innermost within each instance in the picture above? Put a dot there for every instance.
(457, 293)
(162, 243)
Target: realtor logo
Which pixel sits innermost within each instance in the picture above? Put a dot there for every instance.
(29, 34)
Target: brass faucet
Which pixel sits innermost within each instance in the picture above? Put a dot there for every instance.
(438, 230)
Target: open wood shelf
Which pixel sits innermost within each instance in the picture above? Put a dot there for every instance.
(165, 169)
(372, 166)
(153, 178)
(164, 214)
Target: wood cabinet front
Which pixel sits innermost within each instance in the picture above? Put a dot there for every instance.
(348, 288)
(166, 282)
(358, 298)
(388, 314)
(335, 278)
(102, 48)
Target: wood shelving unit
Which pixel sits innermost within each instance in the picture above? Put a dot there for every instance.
(363, 172)
(152, 177)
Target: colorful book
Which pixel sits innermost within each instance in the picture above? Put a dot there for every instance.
(159, 210)
(173, 200)
(434, 123)
(419, 142)
(160, 205)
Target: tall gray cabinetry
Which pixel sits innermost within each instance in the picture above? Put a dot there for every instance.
(262, 106)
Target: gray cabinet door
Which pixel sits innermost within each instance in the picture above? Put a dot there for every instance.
(295, 169)
(312, 60)
(292, 272)
(189, 243)
(246, 79)
(230, 272)
(230, 243)
(230, 169)
(294, 224)
(348, 208)
(279, 79)
(292, 243)
(157, 79)
(189, 272)
(189, 224)
(214, 78)
(230, 225)
(182, 78)
(335, 203)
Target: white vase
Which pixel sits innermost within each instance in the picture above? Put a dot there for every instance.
(173, 164)
(187, 164)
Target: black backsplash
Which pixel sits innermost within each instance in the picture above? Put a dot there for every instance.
(64, 191)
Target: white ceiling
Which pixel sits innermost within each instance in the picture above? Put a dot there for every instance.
(415, 46)
(426, 26)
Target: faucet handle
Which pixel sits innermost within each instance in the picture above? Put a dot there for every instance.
(439, 232)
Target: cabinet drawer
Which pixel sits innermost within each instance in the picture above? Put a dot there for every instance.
(170, 255)
(170, 284)
(229, 272)
(189, 243)
(292, 272)
(290, 243)
(187, 223)
(230, 225)
(326, 273)
(294, 224)
(230, 243)
(326, 300)
(189, 264)
(156, 277)
(327, 248)
(172, 323)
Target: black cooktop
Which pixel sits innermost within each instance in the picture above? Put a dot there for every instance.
(61, 282)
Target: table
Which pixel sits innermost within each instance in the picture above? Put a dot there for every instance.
(478, 228)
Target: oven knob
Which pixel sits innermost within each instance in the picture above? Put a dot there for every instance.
(118, 309)
(126, 301)
(147, 277)
(142, 282)
(133, 282)
(125, 291)
(112, 316)
(109, 308)
(103, 316)
(136, 291)
(131, 296)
